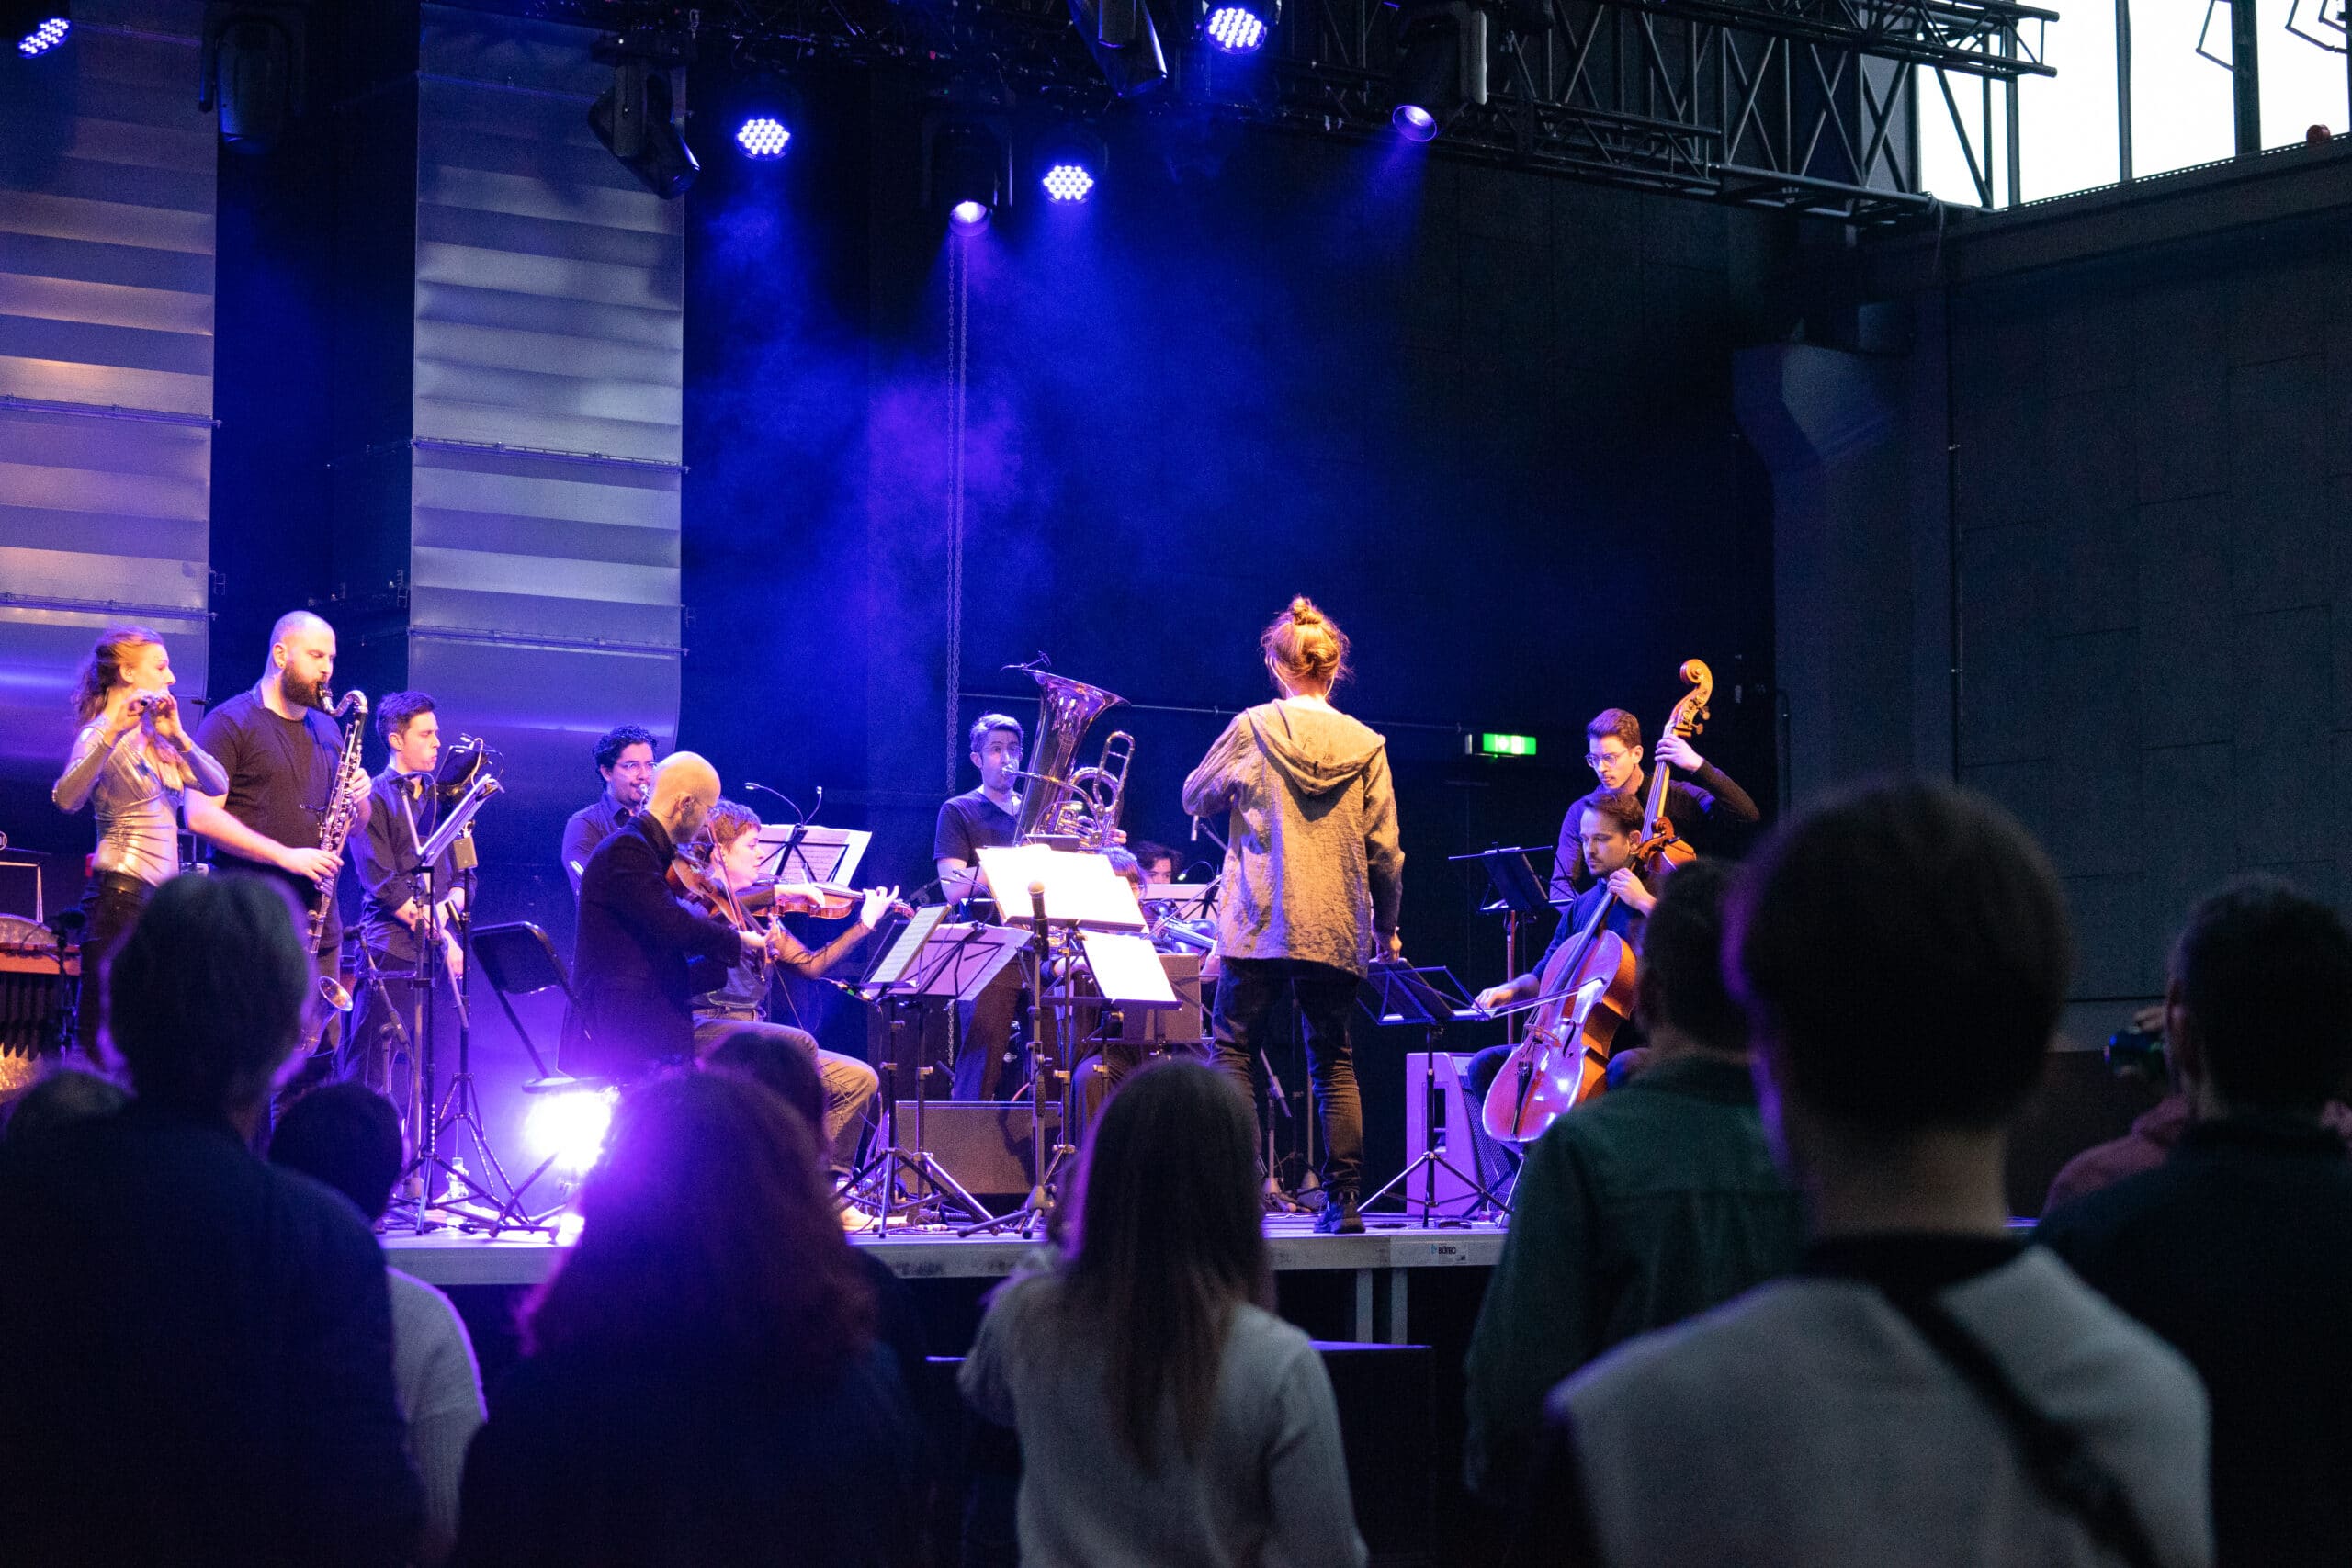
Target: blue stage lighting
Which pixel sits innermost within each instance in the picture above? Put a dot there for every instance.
(44, 37)
(1068, 182)
(1237, 29)
(763, 136)
(968, 217)
(1415, 123)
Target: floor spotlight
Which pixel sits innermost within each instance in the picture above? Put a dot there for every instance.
(42, 36)
(763, 137)
(1071, 164)
(1441, 65)
(641, 118)
(1125, 44)
(967, 168)
(1239, 27)
(568, 1127)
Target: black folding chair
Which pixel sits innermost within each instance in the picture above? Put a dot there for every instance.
(517, 960)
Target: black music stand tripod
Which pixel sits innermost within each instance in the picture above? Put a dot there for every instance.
(460, 1106)
(1519, 897)
(1410, 995)
(909, 1184)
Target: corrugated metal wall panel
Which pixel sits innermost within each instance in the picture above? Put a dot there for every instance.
(543, 584)
(107, 222)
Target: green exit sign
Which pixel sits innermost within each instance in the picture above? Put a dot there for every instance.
(1499, 745)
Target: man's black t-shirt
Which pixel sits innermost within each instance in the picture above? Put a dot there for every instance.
(280, 772)
(967, 824)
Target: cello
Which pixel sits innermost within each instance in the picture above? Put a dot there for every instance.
(1587, 989)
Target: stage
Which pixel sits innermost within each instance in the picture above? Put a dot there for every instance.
(1378, 1265)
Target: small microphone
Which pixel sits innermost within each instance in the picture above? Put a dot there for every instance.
(1038, 901)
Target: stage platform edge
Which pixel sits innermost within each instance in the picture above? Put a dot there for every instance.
(1382, 1261)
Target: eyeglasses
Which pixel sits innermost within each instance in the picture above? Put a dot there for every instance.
(1602, 759)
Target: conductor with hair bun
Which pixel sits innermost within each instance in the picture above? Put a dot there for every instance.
(1313, 878)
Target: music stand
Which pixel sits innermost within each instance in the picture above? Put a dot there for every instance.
(1519, 897)
(1048, 889)
(811, 854)
(1413, 996)
(931, 962)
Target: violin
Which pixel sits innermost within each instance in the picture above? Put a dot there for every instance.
(1588, 987)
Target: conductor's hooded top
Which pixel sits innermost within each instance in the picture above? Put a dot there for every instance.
(1312, 869)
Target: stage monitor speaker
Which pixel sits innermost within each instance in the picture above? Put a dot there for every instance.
(986, 1144)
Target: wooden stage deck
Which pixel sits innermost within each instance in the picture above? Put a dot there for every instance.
(1382, 1261)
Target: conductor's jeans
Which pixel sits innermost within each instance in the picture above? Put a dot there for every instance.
(1247, 995)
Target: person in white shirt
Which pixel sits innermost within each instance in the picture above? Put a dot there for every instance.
(1166, 1417)
(348, 1136)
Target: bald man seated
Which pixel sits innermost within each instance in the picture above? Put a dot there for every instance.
(635, 943)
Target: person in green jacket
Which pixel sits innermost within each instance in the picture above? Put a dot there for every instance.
(1657, 1201)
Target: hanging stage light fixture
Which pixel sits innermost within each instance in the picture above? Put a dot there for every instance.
(1126, 46)
(641, 118)
(1440, 67)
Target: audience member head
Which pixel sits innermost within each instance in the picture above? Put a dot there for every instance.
(1902, 954)
(709, 1233)
(1306, 653)
(60, 1099)
(2259, 1014)
(346, 1135)
(205, 998)
(1158, 1279)
(1682, 998)
(684, 789)
(776, 1065)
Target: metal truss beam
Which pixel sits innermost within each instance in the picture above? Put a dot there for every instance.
(1797, 105)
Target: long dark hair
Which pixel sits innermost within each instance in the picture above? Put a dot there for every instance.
(709, 1233)
(1167, 1245)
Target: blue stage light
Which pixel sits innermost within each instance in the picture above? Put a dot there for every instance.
(1068, 182)
(968, 217)
(44, 37)
(763, 136)
(1237, 29)
(1416, 123)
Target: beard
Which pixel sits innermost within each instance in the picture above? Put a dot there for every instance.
(300, 693)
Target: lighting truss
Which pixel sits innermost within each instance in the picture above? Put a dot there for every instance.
(1805, 106)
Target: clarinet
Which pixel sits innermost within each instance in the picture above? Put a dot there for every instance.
(350, 793)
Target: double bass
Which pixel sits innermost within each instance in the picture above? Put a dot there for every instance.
(1587, 991)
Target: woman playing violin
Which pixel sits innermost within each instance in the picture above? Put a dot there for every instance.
(730, 886)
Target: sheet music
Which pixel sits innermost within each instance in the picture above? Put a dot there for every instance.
(823, 854)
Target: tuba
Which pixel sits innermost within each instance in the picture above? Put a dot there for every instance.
(1064, 802)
